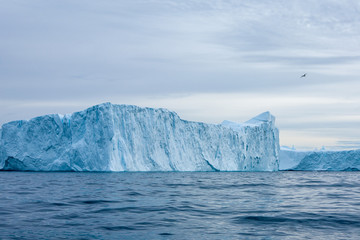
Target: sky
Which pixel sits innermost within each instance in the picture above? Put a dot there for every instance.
(207, 60)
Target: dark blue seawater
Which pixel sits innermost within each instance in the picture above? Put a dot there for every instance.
(210, 205)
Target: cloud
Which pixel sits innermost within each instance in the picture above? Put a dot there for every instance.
(348, 144)
(71, 54)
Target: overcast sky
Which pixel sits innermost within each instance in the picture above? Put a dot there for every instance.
(207, 60)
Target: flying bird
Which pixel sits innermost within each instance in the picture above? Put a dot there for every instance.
(304, 75)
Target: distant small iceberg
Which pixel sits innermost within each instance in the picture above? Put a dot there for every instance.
(322, 160)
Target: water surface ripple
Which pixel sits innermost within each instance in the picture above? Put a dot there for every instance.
(191, 205)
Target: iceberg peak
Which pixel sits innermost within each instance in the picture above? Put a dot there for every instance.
(264, 117)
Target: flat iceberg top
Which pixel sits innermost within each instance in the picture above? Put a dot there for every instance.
(233, 125)
(106, 105)
(292, 149)
(259, 119)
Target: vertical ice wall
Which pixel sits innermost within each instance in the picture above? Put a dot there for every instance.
(110, 137)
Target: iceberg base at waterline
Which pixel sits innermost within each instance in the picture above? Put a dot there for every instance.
(109, 137)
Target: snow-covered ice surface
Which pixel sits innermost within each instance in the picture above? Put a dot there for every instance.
(319, 160)
(109, 137)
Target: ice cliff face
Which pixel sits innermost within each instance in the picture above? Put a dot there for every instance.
(111, 137)
(320, 160)
(290, 158)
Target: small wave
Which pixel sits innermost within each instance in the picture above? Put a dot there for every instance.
(315, 221)
(92, 201)
(58, 204)
(135, 209)
(134, 194)
(166, 234)
(236, 186)
(172, 185)
(66, 216)
(118, 228)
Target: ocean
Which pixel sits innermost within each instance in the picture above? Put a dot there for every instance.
(180, 205)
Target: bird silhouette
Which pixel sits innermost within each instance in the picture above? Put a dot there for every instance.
(304, 75)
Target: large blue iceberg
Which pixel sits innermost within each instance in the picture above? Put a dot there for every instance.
(109, 137)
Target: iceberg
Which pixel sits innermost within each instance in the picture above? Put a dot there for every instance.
(290, 158)
(319, 160)
(109, 137)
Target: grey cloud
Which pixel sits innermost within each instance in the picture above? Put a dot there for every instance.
(349, 144)
(91, 51)
(304, 61)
